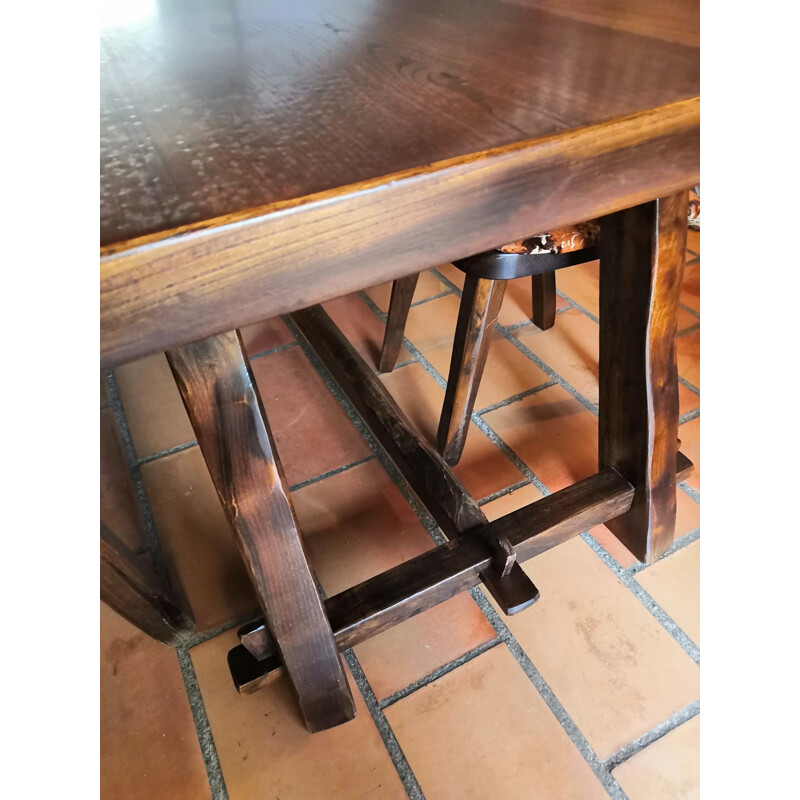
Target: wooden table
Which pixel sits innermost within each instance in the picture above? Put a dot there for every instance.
(258, 158)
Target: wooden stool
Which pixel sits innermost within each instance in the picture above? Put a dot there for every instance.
(484, 287)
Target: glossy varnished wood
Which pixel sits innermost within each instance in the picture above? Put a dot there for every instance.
(370, 607)
(481, 300)
(258, 157)
(439, 490)
(225, 409)
(641, 268)
(133, 590)
(543, 300)
(399, 304)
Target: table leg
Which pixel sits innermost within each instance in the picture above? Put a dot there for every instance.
(641, 269)
(134, 591)
(225, 409)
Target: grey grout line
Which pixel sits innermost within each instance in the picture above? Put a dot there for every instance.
(205, 739)
(689, 416)
(688, 490)
(690, 310)
(687, 331)
(576, 304)
(213, 769)
(331, 473)
(628, 579)
(678, 544)
(526, 351)
(520, 396)
(394, 474)
(132, 461)
(668, 725)
(407, 363)
(387, 735)
(272, 351)
(690, 386)
(577, 738)
(439, 673)
(433, 297)
(503, 492)
(168, 452)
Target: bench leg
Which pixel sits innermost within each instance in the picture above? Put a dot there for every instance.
(477, 315)
(641, 269)
(543, 300)
(402, 293)
(225, 409)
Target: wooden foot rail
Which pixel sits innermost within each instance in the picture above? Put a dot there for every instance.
(379, 603)
(424, 469)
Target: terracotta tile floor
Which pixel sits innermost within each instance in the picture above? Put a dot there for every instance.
(593, 692)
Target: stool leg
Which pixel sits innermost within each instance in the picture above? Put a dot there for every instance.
(225, 409)
(543, 300)
(477, 315)
(641, 269)
(402, 293)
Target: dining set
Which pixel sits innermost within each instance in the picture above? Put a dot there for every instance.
(259, 159)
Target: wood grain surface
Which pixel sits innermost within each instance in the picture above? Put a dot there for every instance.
(257, 158)
(642, 255)
(225, 409)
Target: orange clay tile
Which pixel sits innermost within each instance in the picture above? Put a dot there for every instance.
(668, 769)
(148, 742)
(617, 672)
(265, 750)
(483, 731)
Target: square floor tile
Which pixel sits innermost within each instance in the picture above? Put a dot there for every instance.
(265, 335)
(483, 731)
(265, 750)
(571, 347)
(674, 583)
(552, 433)
(153, 407)
(313, 434)
(669, 769)
(197, 540)
(617, 672)
(148, 743)
(428, 285)
(689, 434)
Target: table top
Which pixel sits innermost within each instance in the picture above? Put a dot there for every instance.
(260, 156)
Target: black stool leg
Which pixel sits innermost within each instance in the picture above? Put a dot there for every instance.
(543, 297)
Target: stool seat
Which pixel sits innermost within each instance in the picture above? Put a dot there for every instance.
(562, 240)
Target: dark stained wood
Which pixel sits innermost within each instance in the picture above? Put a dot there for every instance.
(133, 590)
(188, 286)
(477, 315)
(376, 604)
(641, 268)
(225, 409)
(209, 108)
(496, 264)
(427, 474)
(399, 304)
(273, 260)
(543, 300)
(684, 468)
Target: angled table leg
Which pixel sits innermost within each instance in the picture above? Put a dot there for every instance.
(641, 269)
(225, 409)
(134, 591)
